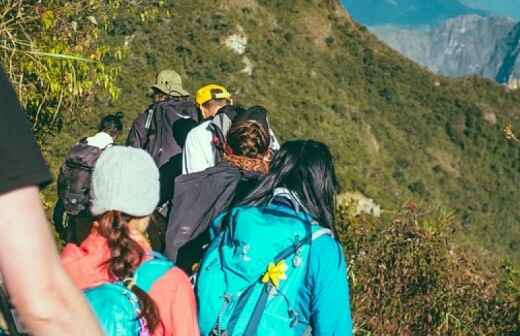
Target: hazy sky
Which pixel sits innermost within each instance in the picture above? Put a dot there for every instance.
(499, 7)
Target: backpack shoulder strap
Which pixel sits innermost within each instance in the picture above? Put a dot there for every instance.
(219, 141)
(258, 311)
(149, 117)
(151, 270)
(5, 311)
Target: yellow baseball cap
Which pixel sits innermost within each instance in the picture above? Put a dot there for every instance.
(210, 92)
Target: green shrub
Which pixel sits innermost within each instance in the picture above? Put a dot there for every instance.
(409, 278)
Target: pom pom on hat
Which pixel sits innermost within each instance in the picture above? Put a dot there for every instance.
(125, 179)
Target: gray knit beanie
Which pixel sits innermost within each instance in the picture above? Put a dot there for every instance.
(125, 179)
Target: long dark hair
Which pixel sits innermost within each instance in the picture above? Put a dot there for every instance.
(306, 168)
(127, 254)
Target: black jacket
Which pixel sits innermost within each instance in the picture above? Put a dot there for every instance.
(198, 199)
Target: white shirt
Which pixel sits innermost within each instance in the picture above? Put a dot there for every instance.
(101, 140)
(199, 152)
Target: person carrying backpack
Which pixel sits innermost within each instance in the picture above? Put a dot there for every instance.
(74, 180)
(276, 268)
(201, 196)
(161, 130)
(201, 149)
(155, 129)
(131, 289)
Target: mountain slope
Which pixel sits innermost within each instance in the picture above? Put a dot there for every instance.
(406, 12)
(397, 131)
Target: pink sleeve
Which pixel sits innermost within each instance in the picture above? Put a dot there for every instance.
(175, 299)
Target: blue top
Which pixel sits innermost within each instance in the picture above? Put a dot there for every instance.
(324, 298)
(328, 284)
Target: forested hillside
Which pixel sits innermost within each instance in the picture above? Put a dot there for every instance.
(398, 132)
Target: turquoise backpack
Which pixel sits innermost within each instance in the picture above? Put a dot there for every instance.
(237, 281)
(117, 308)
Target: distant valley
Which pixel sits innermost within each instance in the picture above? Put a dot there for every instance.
(457, 40)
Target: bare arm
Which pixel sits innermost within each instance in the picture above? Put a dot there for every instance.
(45, 297)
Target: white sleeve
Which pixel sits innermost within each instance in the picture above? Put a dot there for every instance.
(198, 153)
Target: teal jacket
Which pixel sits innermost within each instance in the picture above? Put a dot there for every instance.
(325, 298)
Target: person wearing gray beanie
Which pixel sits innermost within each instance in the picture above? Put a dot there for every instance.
(125, 191)
(125, 179)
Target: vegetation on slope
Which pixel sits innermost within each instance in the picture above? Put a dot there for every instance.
(408, 278)
(398, 133)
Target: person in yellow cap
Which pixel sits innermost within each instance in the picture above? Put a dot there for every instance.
(199, 152)
(211, 98)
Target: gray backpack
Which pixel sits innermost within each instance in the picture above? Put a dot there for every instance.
(75, 176)
(161, 129)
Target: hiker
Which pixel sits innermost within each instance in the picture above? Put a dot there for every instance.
(131, 289)
(42, 293)
(200, 151)
(276, 267)
(171, 112)
(161, 130)
(74, 180)
(201, 196)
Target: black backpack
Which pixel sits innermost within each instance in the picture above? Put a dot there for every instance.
(160, 130)
(75, 176)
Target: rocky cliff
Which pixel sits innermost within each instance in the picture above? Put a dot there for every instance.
(464, 45)
(505, 62)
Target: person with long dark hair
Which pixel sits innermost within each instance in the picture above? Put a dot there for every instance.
(276, 267)
(132, 290)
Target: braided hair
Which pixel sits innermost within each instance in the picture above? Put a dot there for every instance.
(248, 138)
(126, 255)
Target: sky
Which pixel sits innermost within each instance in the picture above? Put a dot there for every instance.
(426, 12)
(498, 7)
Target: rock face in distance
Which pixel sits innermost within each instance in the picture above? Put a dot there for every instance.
(505, 63)
(465, 45)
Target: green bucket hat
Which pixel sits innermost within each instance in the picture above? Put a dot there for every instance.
(170, 82)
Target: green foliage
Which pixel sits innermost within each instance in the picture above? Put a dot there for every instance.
(58, 56)
(408, 278)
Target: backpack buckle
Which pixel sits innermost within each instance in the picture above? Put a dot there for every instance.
(218, 332)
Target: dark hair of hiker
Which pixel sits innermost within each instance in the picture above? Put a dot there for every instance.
(127, 254)
(248, 139)
(112, 124)
(306, 168)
